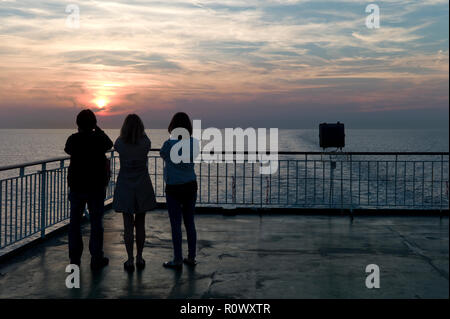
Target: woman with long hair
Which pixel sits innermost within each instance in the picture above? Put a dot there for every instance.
(134, 194)
(181, 188)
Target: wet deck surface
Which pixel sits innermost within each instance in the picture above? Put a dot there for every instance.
(252, 257)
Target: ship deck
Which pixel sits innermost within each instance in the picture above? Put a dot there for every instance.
(251, 256)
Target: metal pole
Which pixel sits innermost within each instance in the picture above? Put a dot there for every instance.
(22, 173)
(351, 183)
(279, 181)
(314, 179)
(305, 177)
(404, 183)
(342, 185)
(331, 181)
(359, 183)
(243, 183)
(387, 181)
(368, 183)
(15, 207)
(414, 184)
(442, 178)
(43, 199)
(423, 183)
(432, 183)
(217, 183)
(378, 184)
(296, 182)
(287, 183)
(200, 191)
(395, 181)
(226, 181)
(1, 205)
(253, 182)
(209, 182)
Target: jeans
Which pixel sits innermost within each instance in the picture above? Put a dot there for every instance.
(95, 202)
(182, 207)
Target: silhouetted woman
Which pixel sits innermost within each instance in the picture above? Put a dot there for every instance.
(134, 194)
(181, 187)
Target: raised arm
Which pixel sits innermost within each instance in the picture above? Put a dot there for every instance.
(107, 144)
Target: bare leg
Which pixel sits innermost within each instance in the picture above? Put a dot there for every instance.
(128, 235)
(139, 223)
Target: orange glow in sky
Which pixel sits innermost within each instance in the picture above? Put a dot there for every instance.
(101, 102)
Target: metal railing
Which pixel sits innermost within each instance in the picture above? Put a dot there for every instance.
(33, 196)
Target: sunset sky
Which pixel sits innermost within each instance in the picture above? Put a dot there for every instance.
(271, 63)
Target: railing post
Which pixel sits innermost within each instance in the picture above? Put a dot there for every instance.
(233, 189)
(332, 167)
(43, 199)
(112, 171)
(395, 181)
(1, 206)
(21, 175)
(351, 183)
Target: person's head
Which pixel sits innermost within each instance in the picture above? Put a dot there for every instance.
(86, 120)
(180, 120)
(132, 129)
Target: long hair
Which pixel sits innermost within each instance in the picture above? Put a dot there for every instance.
(180, 120)
(132, 129)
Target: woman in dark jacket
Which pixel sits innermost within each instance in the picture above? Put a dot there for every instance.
(134, 194)
(181, 188)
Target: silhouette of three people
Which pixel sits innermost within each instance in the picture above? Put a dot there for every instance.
(134, 195)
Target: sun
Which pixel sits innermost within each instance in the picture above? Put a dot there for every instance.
(101, 102)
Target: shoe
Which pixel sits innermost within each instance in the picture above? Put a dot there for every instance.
(172, 265)
(190, 262)
(140, 264)
(99, 263)
(128, 266)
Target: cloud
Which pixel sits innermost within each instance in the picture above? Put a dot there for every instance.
(155, 55)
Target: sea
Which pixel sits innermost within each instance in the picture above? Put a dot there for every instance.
(19, 146)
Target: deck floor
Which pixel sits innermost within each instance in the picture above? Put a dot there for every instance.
(249, 256)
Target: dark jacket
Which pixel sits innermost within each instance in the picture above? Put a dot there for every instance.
(87, 169)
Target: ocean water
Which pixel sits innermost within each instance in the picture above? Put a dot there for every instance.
(26, 145)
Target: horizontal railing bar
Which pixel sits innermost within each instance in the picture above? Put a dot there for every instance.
(50, 160)
(335, 153)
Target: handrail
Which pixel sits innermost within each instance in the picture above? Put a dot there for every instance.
(63, 158)
(50, 160)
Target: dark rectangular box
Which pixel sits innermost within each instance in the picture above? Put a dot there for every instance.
(332, 135)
